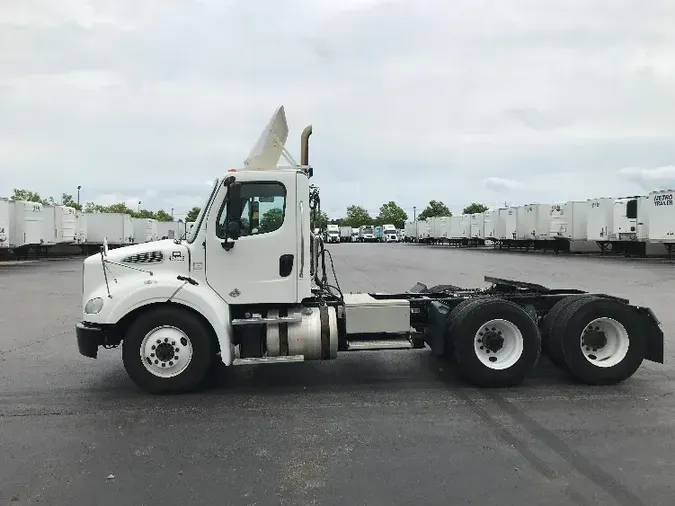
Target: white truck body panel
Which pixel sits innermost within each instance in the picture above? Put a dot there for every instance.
(441, 227)
(80, 227)
(568, 220)
(389, 233)
(422, 232)
(533, 222)
(477, 225)
(169, 229)
(4, 223)
(26, 223)
(49, 224)
(454, 227)
(65, 222)
(410, 229)
(600, 219)
(145, 229)
(345, 233)
(507, 224)
(631, 219)
(464, 226)
(117, 228)
(490, 224)
(660, 207)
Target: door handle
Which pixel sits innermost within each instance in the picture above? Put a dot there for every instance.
(285, 265)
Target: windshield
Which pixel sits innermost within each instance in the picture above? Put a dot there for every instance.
(192, 234)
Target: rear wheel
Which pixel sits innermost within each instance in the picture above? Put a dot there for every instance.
(601, 340)
(495, 342)
(167, 350)
(549, 346)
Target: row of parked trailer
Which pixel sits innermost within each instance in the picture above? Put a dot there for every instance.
(34, 227)
(640, 225)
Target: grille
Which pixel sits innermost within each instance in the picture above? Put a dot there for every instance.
(150, 257)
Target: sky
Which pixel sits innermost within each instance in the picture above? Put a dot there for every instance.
(517, 101)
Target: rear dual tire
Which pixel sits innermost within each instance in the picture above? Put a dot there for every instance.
(598, 341)
(494, 342)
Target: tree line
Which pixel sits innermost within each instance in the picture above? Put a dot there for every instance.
(389, 213)
(356, 216)
(90, 207)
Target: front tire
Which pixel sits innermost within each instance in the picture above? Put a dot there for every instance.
(168, 350)
(495, 342)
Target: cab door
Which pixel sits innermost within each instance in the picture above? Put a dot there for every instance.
(261, 266)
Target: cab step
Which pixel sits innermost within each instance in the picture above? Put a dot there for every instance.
(402, 343)
(268, 360)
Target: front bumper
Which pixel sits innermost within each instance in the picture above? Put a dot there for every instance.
(90, 336)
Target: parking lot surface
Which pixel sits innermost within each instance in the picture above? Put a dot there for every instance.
(373, 428)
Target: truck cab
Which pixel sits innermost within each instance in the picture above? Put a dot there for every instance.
(389, 233)
(332, 233)
(367, 233)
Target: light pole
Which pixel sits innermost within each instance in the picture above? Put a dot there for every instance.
(78, 195)
(417, 234)
(172, 213)
(139, 206)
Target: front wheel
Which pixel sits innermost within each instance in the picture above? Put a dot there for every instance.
(495, 342)
(167, 350)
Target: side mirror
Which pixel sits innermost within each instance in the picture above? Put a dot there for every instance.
(233, 230)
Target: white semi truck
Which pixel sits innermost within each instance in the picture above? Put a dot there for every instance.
(389, 233)
(333, 233)
(249, 285)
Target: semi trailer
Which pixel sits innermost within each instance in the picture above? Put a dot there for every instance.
(250, 285)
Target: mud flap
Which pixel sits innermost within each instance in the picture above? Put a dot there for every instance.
(654, 342)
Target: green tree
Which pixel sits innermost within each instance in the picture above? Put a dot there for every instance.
(320, 222)
(474, 208)
(67, 200)
(391, 213)
(357, 216)
(271, 220)
(162, 215)
(435, 208)
(27, 195)
(142, 213)
(192, 214)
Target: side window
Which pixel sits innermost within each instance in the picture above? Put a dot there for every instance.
(263, 207)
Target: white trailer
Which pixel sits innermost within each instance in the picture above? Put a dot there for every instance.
(355, 234)
(465, 226)
(345, 234)
(49, 224)
(4, 223)
(228, 296)
(145, 229)
(169, 229)
(441, 228)
(80, 227)
(332, 233)
(631, 219)
(26, 224)
(600, 219)
(477, 226)
(389, 233)
(423, 230)
(65, 224)
(507, 225)
(533, 222)
(661, 212)
(491, 223)
(568, 220)
(117, 228)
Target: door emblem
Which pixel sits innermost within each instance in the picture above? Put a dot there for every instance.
(235, 293)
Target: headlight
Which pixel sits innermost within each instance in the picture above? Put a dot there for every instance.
(93, 306)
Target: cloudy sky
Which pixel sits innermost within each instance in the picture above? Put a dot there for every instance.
(465, 100)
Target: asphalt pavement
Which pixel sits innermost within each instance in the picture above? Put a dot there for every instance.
(371, 428)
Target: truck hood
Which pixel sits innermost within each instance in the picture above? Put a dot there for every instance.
(129, 264)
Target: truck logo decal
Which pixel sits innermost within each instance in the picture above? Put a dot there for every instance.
(663, 200)
(198, 266)
(235, 293)
(177, 256)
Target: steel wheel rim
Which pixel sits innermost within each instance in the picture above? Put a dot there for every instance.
(498, 344)
(166, 351)
(604, 342)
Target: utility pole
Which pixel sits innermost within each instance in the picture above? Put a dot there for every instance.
(78, 195)
(417, 234)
